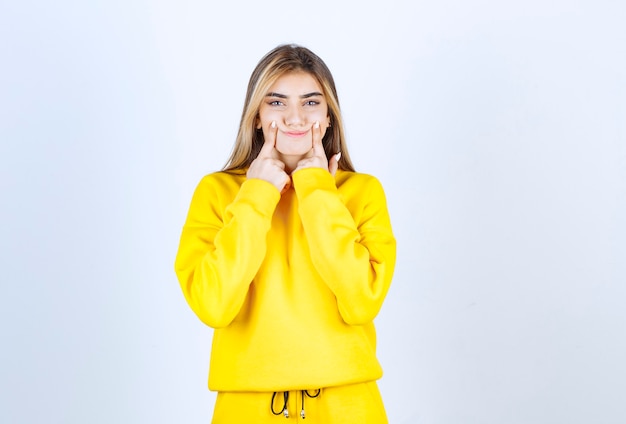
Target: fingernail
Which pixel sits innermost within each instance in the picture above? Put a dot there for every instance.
(338, 156)
(317, 124)
(273, 124)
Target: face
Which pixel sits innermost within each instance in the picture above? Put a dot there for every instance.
(295, 102)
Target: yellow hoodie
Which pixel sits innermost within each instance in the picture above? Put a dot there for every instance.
(290, 283)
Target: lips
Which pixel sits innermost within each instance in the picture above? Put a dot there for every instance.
(295, 133)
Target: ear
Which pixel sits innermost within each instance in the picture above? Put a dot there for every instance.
(258, 123)
(328, 121)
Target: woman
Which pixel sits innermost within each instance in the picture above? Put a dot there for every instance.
(288, 254)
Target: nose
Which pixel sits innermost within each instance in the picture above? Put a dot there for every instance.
(294, 117)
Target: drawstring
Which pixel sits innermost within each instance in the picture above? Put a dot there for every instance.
(285, 411)
(303, 392)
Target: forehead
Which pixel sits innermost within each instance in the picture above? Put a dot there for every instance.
(296, 83)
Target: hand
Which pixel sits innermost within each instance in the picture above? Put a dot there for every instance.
(267, 166)
(316, 157)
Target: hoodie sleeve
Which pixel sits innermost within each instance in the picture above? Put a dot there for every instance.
(222, 245)
(351, 244)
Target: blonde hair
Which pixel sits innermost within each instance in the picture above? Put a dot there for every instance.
(281, 60)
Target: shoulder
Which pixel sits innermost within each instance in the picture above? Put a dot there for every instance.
(359, 189)
(218, 187)
(356, 181)
(222, 180)
(223, 177)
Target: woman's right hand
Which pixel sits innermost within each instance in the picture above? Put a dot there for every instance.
(267, 166)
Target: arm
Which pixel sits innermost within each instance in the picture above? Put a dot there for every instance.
(352, 245)
(222, 246)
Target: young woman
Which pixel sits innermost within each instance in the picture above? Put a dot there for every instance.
(288, 254)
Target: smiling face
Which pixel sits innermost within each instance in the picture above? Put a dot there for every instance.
(295, 102)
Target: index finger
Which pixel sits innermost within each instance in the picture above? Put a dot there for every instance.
(318, 146)
(270, 140)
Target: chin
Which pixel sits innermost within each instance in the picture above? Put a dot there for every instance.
(293, 149)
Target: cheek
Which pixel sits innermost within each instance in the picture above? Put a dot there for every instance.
(325, 122)
(263, 115)
(321, 117)
(265, 119)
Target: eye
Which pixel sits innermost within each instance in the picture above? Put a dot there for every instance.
(276, 103)
(312, 103)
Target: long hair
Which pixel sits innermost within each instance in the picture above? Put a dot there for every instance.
(281, 60)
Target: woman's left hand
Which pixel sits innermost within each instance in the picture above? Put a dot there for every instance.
(316, 157)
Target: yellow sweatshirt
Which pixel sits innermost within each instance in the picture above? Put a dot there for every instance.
(290, 283)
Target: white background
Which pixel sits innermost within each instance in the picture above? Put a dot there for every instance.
(498, 131)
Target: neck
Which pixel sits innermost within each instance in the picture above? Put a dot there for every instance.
(290, 161)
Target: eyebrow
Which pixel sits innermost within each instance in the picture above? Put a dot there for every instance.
(304, 96)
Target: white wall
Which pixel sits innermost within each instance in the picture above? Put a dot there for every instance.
(497, 129)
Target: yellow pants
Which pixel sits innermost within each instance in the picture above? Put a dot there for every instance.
(352, 404)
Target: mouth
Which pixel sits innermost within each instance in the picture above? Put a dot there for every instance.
(295, 134)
